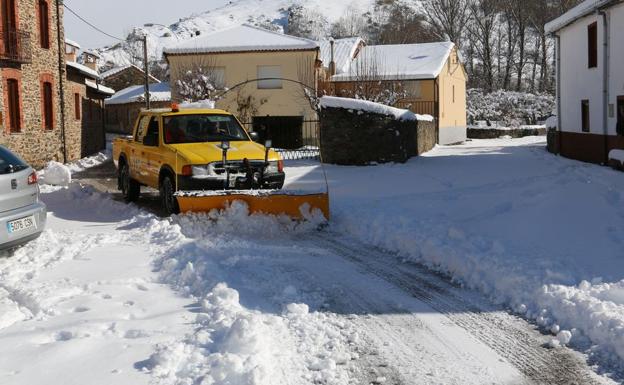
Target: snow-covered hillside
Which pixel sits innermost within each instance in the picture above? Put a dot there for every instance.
(271, 14)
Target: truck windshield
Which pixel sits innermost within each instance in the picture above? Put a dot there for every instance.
(202, 128)
(10, 162)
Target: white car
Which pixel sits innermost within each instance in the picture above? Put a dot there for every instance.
(22, 214)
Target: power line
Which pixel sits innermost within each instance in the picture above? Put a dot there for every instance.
(90, 24)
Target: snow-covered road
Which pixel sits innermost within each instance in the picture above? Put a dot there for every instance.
(113, 294)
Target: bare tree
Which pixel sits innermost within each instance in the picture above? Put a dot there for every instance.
(484, 14)
(352, 23)
(198, 79)
(405, 26)
(448, 18)
(247, 105)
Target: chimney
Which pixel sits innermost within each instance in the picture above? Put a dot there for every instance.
(332, 62)
(90, 59)
(71, 51)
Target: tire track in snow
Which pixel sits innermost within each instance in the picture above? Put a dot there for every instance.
(508, 335)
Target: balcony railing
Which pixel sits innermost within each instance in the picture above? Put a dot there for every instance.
(15, 46)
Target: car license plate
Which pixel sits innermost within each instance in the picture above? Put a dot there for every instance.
(22, 224)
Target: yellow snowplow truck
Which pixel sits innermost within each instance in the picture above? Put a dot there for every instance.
(203, 159)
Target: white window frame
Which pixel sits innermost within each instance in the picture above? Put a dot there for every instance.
(269, 71)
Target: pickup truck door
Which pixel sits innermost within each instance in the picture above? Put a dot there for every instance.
(152, 151)
(136, 158)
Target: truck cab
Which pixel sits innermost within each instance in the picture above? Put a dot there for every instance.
(192, 149)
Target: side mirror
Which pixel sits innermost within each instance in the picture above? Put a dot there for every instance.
(151, 140)
(268, 143)
(254, 136)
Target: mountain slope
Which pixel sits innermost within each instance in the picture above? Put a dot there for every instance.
(270, 14)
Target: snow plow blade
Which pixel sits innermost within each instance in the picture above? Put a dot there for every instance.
(295, 205)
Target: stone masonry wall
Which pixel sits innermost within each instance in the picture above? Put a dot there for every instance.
(35, 144)
(358, 138)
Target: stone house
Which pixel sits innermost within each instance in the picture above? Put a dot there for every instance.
(590, 82)
(120, 78)
(267, 76)
(86, 99)
(428, 79)
(35, 103)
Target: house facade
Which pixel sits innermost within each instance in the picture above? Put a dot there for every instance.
(263, 73)
(32, 82)
(36, 107)
(590, 83)
(122, 110)
(424, 78)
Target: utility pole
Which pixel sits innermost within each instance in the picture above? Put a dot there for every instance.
(146, 70)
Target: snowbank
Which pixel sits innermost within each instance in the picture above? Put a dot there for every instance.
(521, 230)
(552, 122)
(364, 105)
(56, 174)
(617, 155)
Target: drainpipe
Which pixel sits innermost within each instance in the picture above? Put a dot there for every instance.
(61, 54)
(558, 80)
(605, 83)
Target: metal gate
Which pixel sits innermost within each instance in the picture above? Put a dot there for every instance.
(292, 137)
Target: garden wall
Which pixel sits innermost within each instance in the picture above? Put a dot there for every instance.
(357, 137)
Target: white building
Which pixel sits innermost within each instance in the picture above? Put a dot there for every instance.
(590, 79)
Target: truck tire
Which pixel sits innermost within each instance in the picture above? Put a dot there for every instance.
(167, 197)
(130, 188)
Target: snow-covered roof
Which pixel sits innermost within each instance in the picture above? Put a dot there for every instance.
(344, 51)
(83, 69)
(72, 43)
(93, 53)
(401, 61)
(242, 38)
(159, 92)
(116, 70)
(365, 105)
(99, 88)
(585, 8)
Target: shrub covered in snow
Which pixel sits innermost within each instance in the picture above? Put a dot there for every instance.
(511, 108)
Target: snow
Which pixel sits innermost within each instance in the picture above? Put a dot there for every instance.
(57, 174)
(617, 155)
(242, 38)
(83, 69)
(99, 87)
(401, 61)
(72, 43)
(200, 104)
(364, 105)
(344, 52)
(160, 92)
(552, 122)
(526, 228)
(268, 14)
(583, 9)
(113, 294)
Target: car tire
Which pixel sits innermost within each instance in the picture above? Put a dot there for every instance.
(130, 188)
(167, 195)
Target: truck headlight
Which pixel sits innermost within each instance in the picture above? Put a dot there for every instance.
(272, 168)
(200, 171)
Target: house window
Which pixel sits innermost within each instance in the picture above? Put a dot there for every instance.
(48, 110)
(592, 45)
(44, 24)
(77, 106)
(620, 115)
(272, 72)
(14, 113)
(585, 115)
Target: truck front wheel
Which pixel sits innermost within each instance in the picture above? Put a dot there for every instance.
(167, 195)
(130, 188)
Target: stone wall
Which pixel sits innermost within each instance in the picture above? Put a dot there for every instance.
(33, 143)
(358, 138)
(493, 133)
(426, 136)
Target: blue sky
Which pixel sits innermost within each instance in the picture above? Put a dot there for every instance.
(117, 17)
